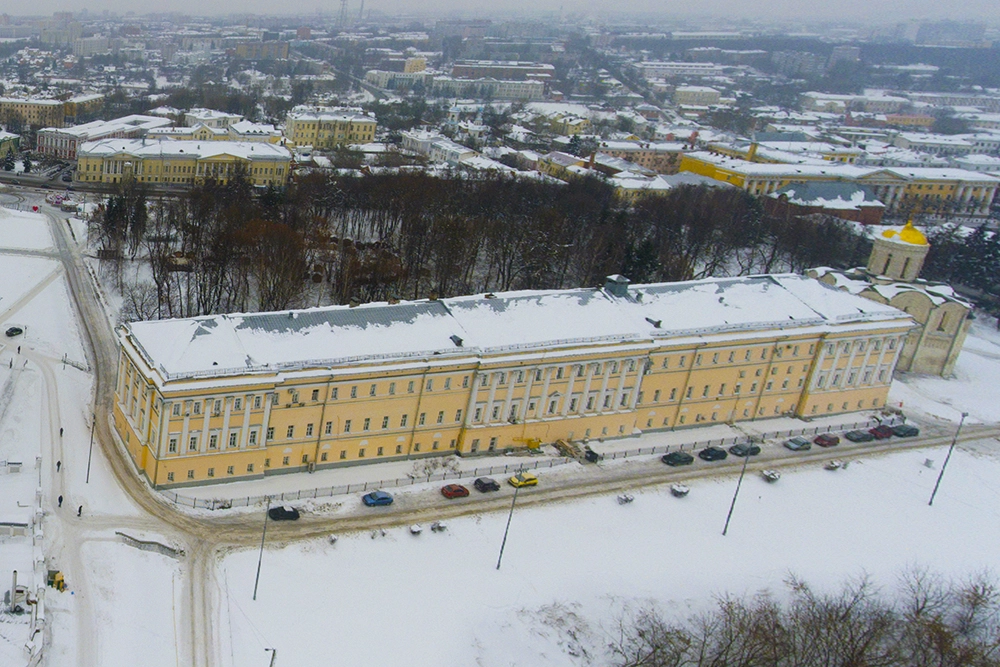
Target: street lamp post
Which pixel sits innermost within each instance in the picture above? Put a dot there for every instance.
(947, 458)
(260, 557)
(739, 483)
(507, 529)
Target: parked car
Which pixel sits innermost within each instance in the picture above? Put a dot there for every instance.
(905, 431)
(14, 331)
(590, 456)
(712, 454)
(67, 177)
(486, 484)
(826, 440)
(798, 444)
(454, 491)
(283, 513)
(859, 436)
(523, 479)
(376, 498)
(881, 432)
(677, 459)
(744, 450)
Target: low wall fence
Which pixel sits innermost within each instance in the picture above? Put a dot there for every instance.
(444, 475)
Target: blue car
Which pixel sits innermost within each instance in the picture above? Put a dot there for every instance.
(376, 498)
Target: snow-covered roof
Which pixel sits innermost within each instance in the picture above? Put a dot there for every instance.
(197, 149)
(232, 344)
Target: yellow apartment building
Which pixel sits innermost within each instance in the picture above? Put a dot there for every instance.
(328, 129)
(40, 113)
(229, 397)
(907, 189)
(181, 162)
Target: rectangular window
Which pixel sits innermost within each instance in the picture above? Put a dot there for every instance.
(170, 476)
(572, 404)
(196, 408)
(328, 429)
(447, 383)
(430, 385)
(323, 456)
(315, 395)
(290, 432)
(496, 412)
(237, 404)
(715, 358)
(249, 467)
(440, 419)
(217, 408)
(681, 362)
(284, 460)
(211, 472)
(347, 426)
(367, 424)
(687, 394)
(423, 416)
(305, 458)
(270, 433)
(704, 392)
(232, 439)
(177, 409)
(479, 415)
(193, 443)
(354, 392)
(230, 470)
(392, 388)
(465, 382)
(256, 402)
(673, 394)
(475, 445)
(309, 430)
(333, 394)
(458, 415)
(371, 390)
(409, 387)
(253, 437)
(343, 453)
(378, 452)
(385, 421)
(722, 389)
(213, 441)
(402, 421)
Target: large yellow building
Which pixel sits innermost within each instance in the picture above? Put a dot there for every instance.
(906, 189)
(49, 112)
(230, 397)
(181, 162)
(330, 128)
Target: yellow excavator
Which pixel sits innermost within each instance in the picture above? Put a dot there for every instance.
(56, 580)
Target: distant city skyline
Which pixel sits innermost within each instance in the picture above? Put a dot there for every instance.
(883, 11)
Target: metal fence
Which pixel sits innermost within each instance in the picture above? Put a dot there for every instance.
(745, 439)
(363, 487)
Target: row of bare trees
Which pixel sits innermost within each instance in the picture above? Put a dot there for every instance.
(930, 622)
(332, 239)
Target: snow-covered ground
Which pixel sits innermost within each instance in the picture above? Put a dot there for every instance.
(568, 568)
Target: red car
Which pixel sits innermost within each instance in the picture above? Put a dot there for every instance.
(881, 432)
(827, 440)
(454, 491)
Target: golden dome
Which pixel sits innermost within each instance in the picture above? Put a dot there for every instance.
(908, 234)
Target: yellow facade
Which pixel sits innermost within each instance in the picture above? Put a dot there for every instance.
(39, 113)
(206, 427)
(173, 167)
(329, 130)
(912, 189)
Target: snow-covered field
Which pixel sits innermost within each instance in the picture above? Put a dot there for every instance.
(568, 568)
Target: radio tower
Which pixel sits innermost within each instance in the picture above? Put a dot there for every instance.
(342, 21)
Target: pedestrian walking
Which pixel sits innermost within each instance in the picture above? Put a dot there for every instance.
(19, 349)
(60, 501)
(79, 511)
(58, 465)
(60, 431)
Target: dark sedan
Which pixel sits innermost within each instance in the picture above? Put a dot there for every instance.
(859, 436)
(283, 513)
(826, 440)
(744, 450)
(905, 431)
(677, 459)
(486, 484)
(712, 454)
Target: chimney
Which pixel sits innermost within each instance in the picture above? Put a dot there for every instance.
(616, 285)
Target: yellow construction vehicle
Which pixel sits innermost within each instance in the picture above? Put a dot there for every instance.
(56, 580)
(530, 443)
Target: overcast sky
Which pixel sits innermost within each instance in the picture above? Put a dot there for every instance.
(873, 10)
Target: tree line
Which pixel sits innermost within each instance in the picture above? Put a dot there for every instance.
(928, 622)
(330, 238)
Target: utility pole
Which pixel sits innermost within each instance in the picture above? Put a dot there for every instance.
(93, 423)
(507, 529)
(739, 483)
(947, 458)
(274, 655)
(261, 556)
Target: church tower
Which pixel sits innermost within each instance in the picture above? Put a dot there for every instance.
(899, 255)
